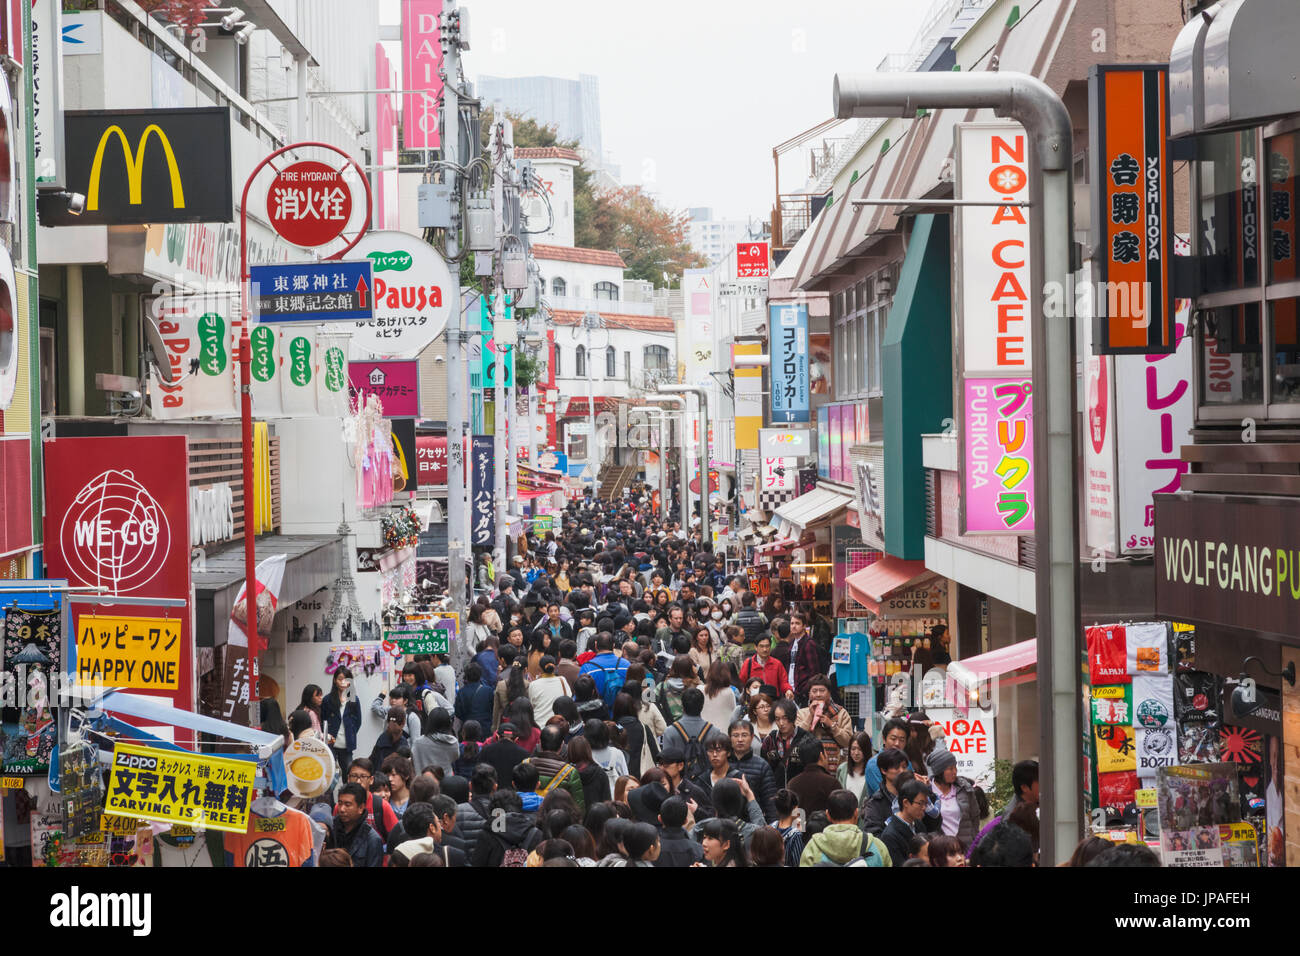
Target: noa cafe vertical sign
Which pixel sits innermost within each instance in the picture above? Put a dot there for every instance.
(994, 308)
(117, 518)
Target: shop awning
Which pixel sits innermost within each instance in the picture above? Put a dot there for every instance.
(811, 509)
(773, 548)
(974, 670)
(873, 584)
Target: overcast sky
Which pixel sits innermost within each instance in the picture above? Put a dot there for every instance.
(694, 93)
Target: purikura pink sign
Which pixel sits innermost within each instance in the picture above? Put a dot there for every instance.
(999, 456)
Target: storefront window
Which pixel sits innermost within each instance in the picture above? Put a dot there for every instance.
(1286, 351)
(1229, 211)
(1231, 361)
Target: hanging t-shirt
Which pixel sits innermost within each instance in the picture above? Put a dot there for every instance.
(1156, 747)
(1117, 789)
(202, 851)
(1107, 655)
(285, 840)
(1153, 700)
(1115, 750)
(1148, 648)
(1113, 704)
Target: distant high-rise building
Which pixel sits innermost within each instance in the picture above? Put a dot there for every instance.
(571, 106)
(714, 238)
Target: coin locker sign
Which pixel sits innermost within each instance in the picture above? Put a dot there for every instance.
(180, 787)
(134, 652)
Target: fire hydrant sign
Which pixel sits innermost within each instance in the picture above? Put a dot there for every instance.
(309, 203)
(139, 652)
(173, 786)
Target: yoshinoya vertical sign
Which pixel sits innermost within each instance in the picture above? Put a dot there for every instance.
(993, 326)
(421, 84)
(117, 518)
(791, 386)
(482, 508)
(1129, 131)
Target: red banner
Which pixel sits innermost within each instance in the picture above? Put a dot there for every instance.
(431, 453)
(117, 516)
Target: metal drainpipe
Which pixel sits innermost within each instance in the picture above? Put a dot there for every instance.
(1032, 103)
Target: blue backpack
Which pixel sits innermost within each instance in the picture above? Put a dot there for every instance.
(614, 677)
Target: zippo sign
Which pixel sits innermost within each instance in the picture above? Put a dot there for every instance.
(117, 516)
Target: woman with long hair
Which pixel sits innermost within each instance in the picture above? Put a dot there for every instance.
(722, 846)
(701, 652)
(761, 718)
(653, 725)
(852, 771)
(527, 733)
(627, 716)
(595, 782)
(312, 698)
(584, 847)
(625, 785)
(341, 717)
(719, 698)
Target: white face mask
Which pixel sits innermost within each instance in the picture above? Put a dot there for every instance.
(717, 615)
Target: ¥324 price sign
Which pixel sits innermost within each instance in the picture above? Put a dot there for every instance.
(423, 641)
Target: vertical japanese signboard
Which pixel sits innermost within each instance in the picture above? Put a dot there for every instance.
(791, 390)
(751, 260)
(117, 518)
(1129, 129)
(421, 61)
(1284, 263)
(993, 303)
(482, 496)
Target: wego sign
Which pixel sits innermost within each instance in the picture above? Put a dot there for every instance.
(148, 166)
(115, 534)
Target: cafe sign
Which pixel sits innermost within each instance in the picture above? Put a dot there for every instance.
(1229, 560)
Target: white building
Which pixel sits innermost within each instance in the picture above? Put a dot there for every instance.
(714, 238)
(554, 167)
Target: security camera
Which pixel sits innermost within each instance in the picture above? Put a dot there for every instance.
(231, 19)
(244, 32)
(76, 203)
(438, 360)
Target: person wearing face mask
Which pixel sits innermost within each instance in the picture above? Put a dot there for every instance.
(715, 619)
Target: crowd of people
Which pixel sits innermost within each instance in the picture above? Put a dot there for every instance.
(630, 703)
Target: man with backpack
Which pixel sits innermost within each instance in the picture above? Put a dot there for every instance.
(687, 733)
(749, 618)
(552, 770)
(842, 843)
(510, 835)
(607, 669)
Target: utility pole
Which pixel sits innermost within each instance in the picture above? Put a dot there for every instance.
(457, 382)
(1032, 103)
(702, 395)
(684, 487)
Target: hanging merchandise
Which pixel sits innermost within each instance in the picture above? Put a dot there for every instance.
(1184, 647)
(1147, 648)
(235, 680)
(1156, 747)
(372, 438)
(1107, 655)
(1196, 804)
(1241, 745)
(1117, 790)
(32, 641)
(1113, 704)
(1115, 749)
(1153, 700)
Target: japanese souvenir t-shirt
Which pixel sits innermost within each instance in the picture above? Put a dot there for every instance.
(285, 840)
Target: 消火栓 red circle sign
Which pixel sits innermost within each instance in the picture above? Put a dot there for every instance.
(309, 203)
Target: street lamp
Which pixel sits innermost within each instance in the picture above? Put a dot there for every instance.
(1032, 103)
(684, 482)
(590, 321)
(703, 396)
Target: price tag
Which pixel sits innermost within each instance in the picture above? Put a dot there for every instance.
(1145, 799)
(11, 783)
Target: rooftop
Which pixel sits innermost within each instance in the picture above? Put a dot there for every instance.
(592, 257)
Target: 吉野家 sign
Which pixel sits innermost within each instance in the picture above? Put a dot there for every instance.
(1129, 126)
(137, 652)
(421, 641)
(791, 384)
(785, 442)
(309, 203)
(147, 166)
(296, 293)
(180, 787)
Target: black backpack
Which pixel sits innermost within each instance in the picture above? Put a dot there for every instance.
(697, 758)
(751, 622)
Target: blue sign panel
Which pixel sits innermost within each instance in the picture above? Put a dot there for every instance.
(791, 383)
(313, 292)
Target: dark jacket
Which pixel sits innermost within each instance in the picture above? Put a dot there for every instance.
(897, 836)
(348, 717)
(784, 762)
(504, 755)
(759, 775)
(874, 812)
(595, 784)
(518, 832)
(635, 731)
(676, 848)
(385, 746)
(471, 819)
(751, 622)
(474, 702)
(804, 665)
(362, 843)
(814, 785)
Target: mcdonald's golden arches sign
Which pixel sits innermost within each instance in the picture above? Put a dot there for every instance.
(149, 166)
